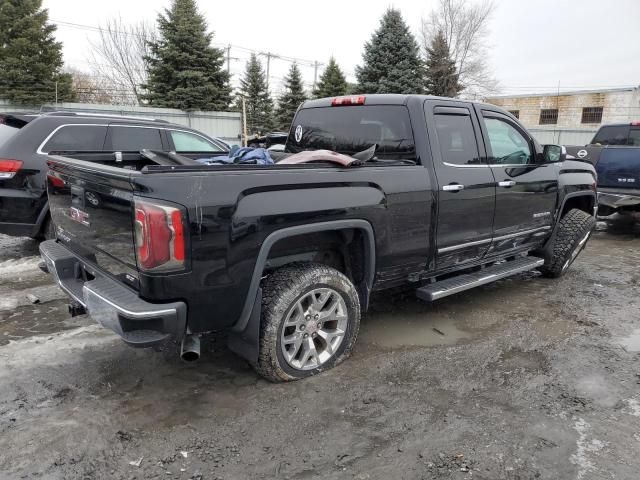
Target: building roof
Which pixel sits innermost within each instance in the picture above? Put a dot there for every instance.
(567, 92)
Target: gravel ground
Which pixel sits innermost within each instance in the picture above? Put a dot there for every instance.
(528, 378)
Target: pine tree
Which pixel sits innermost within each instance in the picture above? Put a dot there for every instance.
(30, 58)
(258, 102)
(441, 75)
(185, 71)
(332, 81)
(391, 59)
(290, 99)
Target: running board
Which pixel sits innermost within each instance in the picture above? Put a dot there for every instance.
(452, 285)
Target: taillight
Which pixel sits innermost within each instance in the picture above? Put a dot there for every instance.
(348, 100)
(54, 181)
(159, 235)
(9, 168)
(635, 123)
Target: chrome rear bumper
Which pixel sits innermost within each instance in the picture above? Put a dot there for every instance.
(112, 304)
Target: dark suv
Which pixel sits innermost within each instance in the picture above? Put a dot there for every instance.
(25, 140)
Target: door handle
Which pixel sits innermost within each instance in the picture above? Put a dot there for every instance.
(507, 183)
(455, 187)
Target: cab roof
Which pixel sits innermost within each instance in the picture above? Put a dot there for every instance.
(384, 99)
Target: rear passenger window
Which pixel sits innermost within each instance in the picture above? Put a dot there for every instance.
(634, 137)
(613, 135)
(188, 142)
(77, 138)
(134, 139)
(457, 140)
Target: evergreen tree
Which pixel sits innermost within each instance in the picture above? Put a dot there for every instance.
(441, 75)
(332, 81)
(258, 102)
(290, 99)
(30, 58)
(185, 71)
(391, 59)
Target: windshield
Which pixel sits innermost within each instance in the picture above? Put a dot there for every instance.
(612, 135)
(352, 129)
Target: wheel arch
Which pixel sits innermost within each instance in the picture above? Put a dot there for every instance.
(244, 335)
(585, 200)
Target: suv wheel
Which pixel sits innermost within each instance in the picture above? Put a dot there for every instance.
(573, 232)
(310, 321)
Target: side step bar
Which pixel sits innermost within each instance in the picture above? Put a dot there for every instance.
(452, 285)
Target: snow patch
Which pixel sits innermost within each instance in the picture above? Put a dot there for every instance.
(10, 267)
(584, 449)
(8, 303)
(57, 348)
(634, 407)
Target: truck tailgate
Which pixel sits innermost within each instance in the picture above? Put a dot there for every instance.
(92, 208)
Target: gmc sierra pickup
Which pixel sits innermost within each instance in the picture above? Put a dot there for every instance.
(286, 257)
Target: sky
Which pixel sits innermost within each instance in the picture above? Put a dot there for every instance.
(534, 46)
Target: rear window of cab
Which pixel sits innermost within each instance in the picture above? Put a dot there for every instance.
(352, 129)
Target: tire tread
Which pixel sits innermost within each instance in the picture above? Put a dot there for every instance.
(571, 229)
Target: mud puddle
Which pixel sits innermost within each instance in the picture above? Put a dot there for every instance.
(407, 322)
(417, 329)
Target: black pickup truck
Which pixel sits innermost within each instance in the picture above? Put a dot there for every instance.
(286, 257)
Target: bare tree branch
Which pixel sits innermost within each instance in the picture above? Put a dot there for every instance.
(120, 53)
(465, 26)
(89, 88)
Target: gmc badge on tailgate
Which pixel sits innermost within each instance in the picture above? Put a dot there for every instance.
(79, 216)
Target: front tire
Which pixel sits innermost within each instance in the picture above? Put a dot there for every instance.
(310, 321)
(573, 233)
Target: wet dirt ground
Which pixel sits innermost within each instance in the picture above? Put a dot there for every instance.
(528, 378)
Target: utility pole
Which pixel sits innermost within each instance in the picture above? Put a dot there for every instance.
(268, 64)
(229, 59)
(56, 94)
(315, 74)
(244, 122)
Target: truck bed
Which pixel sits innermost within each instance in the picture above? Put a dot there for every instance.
(230, 211)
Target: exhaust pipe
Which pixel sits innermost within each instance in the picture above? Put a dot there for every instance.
(190, 348)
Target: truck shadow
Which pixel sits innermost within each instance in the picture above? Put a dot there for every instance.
(620, 225)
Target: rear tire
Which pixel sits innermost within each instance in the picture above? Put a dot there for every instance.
(572, 235)
(310, 321)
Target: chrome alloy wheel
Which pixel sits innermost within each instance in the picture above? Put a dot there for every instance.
(314, 329)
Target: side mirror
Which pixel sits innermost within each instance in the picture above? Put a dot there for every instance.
(554, 153)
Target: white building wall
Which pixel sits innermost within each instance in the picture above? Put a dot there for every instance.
(621, 105)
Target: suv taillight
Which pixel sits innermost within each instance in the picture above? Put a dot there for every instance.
(159, 236)
(9, 168)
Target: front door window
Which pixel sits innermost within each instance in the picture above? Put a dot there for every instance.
(508, 145)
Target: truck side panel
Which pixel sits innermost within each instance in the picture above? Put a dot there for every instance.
(250, 205)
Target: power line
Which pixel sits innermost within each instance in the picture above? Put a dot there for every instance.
(288, 58)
